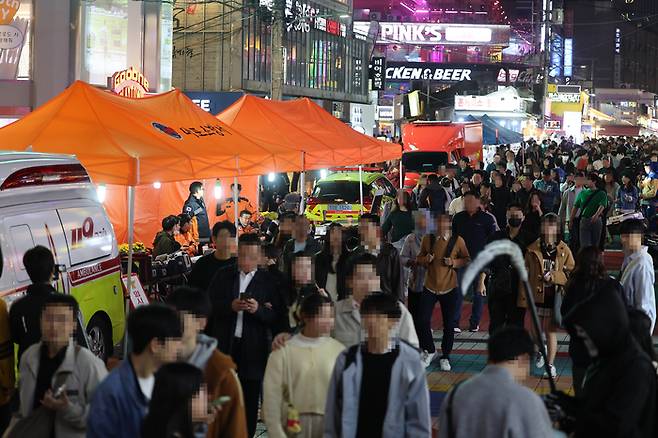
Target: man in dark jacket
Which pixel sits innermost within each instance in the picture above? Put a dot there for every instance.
(25, 313)
(474, 226)
(164, 242)
(388, 258)
(433, 196)
(120, 402)
(619, 390)
(502, 278)
(245, 309)
(195, 207)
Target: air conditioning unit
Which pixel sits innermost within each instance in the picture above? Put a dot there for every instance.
(375, 16)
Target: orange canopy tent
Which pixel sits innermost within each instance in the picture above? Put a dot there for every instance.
(303, 125)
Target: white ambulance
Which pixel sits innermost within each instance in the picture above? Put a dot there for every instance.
(49, 200)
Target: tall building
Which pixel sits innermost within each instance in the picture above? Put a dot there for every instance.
(227, 46)
(616, 43)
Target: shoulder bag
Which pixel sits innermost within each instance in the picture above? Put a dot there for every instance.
(293, 423)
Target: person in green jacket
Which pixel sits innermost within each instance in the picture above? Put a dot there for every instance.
(590, 205)
(399, 222)
(164, 242)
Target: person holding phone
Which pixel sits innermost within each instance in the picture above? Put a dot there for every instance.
(56, 375)
(200, 350)
(246, 311)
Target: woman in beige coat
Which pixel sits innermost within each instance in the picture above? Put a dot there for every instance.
(549, 261)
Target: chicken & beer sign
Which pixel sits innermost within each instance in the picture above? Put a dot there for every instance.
(11, 37)
(8, 9)
(128, 83)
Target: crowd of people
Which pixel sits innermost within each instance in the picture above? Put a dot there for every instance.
(332, 337)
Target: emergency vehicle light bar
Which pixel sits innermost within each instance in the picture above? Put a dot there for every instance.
(355, 169)
(46, 175)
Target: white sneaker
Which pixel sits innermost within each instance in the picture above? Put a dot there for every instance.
(457, 330)
(539, 361)
(444, 364)
(552, 371)
(427, 358)
(474, 329)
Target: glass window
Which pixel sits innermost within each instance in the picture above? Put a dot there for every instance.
(339, 191)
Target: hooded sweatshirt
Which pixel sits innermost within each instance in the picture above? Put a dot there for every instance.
(433, 197)
(222, 380)
(164, 243)
(619, 388)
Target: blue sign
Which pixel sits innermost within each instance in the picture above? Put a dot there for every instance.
(214, 102)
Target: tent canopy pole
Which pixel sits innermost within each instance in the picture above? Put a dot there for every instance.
(361, 188)
(131, 241)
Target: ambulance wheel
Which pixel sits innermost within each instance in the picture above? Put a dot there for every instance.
(100, 337)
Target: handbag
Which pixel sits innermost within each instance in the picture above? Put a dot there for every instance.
(293, 423)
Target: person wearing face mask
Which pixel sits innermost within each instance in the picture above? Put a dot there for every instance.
(548, 260)
(502, 277)
(619, 390)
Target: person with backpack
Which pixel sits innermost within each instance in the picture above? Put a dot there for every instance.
(378, 388)
(441, 254)
(590, 204)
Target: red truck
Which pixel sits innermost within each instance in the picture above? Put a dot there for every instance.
(428, 145)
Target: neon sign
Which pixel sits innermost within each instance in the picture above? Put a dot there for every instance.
(129, 83)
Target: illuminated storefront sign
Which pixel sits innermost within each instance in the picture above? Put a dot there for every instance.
(488, 103)
(377, 67)
(438, 33)
(568, 57)
(15, 20)
(129, 83)
(410, 72)
(302, 17)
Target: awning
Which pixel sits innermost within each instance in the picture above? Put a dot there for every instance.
(618, 131)
(494, 133)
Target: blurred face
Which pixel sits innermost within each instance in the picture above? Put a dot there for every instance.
(302, 271)
(514, 217)
(626, 180)
(400, 197)
(608, 178)
(422, 181)
(322, 323)
(570, 178)
(496, 158)
(363, 281)
(535, 201)
(465, 187)
(443, 225)
(549, 232)
(527, 184)
(631, 241)
(420, 221)
(471, 204)
(225, 242)
(57, 325)
(199, 406)
(368, 231)
(547, 178)
(248, 257)
(199, 193)
(378, 326)
(192, 326)
(336, 239)
(536, 174)
(166, 351)
(244, 219)
(516, 186)
(580, 181)
(286, 226)
(498, 181)
(477, 179)
(301, 229)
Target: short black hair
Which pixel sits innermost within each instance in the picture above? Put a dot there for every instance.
(287, 215)
(184, 219)
(239, 187)
(465, 160)
(362, 259)
(381, 304)
(312, 304)
(509, 343)
(57, 299)
(249, 239)
(223, 225)
(514, 205)
(632, 226)
(550, 218)
(152, 321)
(433, 177)
(370, 217)
(191, 300)
(470, 193)
(169, 222)
(546, 172)
(39, 263)
(195, 187)
(245, 212)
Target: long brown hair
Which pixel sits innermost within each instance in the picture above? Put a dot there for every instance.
(589, 264)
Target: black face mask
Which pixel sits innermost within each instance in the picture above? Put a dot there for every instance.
(514, 222)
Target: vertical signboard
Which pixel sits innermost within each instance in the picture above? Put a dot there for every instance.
(377, 69)
(617, 70)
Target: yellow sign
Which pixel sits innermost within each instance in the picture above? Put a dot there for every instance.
(8, 9)
(128, 83)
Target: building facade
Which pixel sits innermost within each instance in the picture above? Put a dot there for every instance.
(52, 43)
(222, 47)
